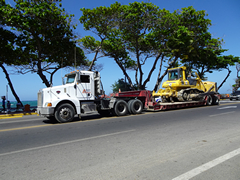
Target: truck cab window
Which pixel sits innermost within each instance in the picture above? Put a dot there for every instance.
(70, 78)
(84, 78)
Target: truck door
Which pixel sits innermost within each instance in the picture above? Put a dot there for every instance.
(85, 88)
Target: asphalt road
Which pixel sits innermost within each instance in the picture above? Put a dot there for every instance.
(195, 143)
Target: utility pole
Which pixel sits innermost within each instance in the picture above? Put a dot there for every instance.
(7, 92)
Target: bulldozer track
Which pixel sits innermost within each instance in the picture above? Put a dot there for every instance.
(181, 96)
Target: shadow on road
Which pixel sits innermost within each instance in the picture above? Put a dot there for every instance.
(83, 118)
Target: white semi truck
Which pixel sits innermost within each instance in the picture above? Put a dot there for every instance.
(79, 95)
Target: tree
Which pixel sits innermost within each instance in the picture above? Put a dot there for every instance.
(141, 33)
(209, 58)
(8, 55)
(45, 36)
(237, 80)
(102, 21)
(121, 85)
(125, 31)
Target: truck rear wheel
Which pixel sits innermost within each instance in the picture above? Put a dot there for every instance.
(130, 105)
(64, 113)
(209, 100)
(215, 100)
(121, 108)
(136, 106)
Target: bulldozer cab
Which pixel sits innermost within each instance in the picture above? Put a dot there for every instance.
(176, 73)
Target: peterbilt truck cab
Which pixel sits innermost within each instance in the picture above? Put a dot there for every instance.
(75, 97)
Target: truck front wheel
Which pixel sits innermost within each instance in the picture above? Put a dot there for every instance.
(64, 113)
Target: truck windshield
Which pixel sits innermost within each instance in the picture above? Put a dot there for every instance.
(70, 78)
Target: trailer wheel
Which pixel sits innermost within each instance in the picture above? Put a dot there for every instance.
(64, 113)
(215, 100)
(121, 108)
(209, 100)
(136, 106)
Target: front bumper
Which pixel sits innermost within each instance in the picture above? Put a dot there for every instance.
(45, 111)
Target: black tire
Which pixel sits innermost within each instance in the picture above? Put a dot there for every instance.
(121, 108)
(64, 113)
(230, 99)
(136, 106)
(215, 100)
(209, 100)
(129, 106)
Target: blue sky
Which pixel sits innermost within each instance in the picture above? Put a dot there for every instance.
(225, 17)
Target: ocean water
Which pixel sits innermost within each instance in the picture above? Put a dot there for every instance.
(14, 103)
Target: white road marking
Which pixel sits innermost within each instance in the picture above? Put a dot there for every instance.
(221, 114)
(207, 166)
(63, 143)
(227, 107)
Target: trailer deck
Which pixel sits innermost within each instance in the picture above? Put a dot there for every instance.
(151, 105)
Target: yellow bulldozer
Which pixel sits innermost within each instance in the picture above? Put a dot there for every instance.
(180, 87)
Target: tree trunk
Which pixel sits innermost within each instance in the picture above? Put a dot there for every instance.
(159, 80)
(124, 72)
(151, 71)
(10, 84)
(229, 72)
(95, 56)
(93, 61)
(139, 66)
(41, 75)
(51, 75)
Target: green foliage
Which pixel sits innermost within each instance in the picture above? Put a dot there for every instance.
(204, 52)
(121, 85)
(133, 33)
(44, 35)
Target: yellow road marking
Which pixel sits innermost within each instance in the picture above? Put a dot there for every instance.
(29, 127)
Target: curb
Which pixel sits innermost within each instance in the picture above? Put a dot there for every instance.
(6, 116)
